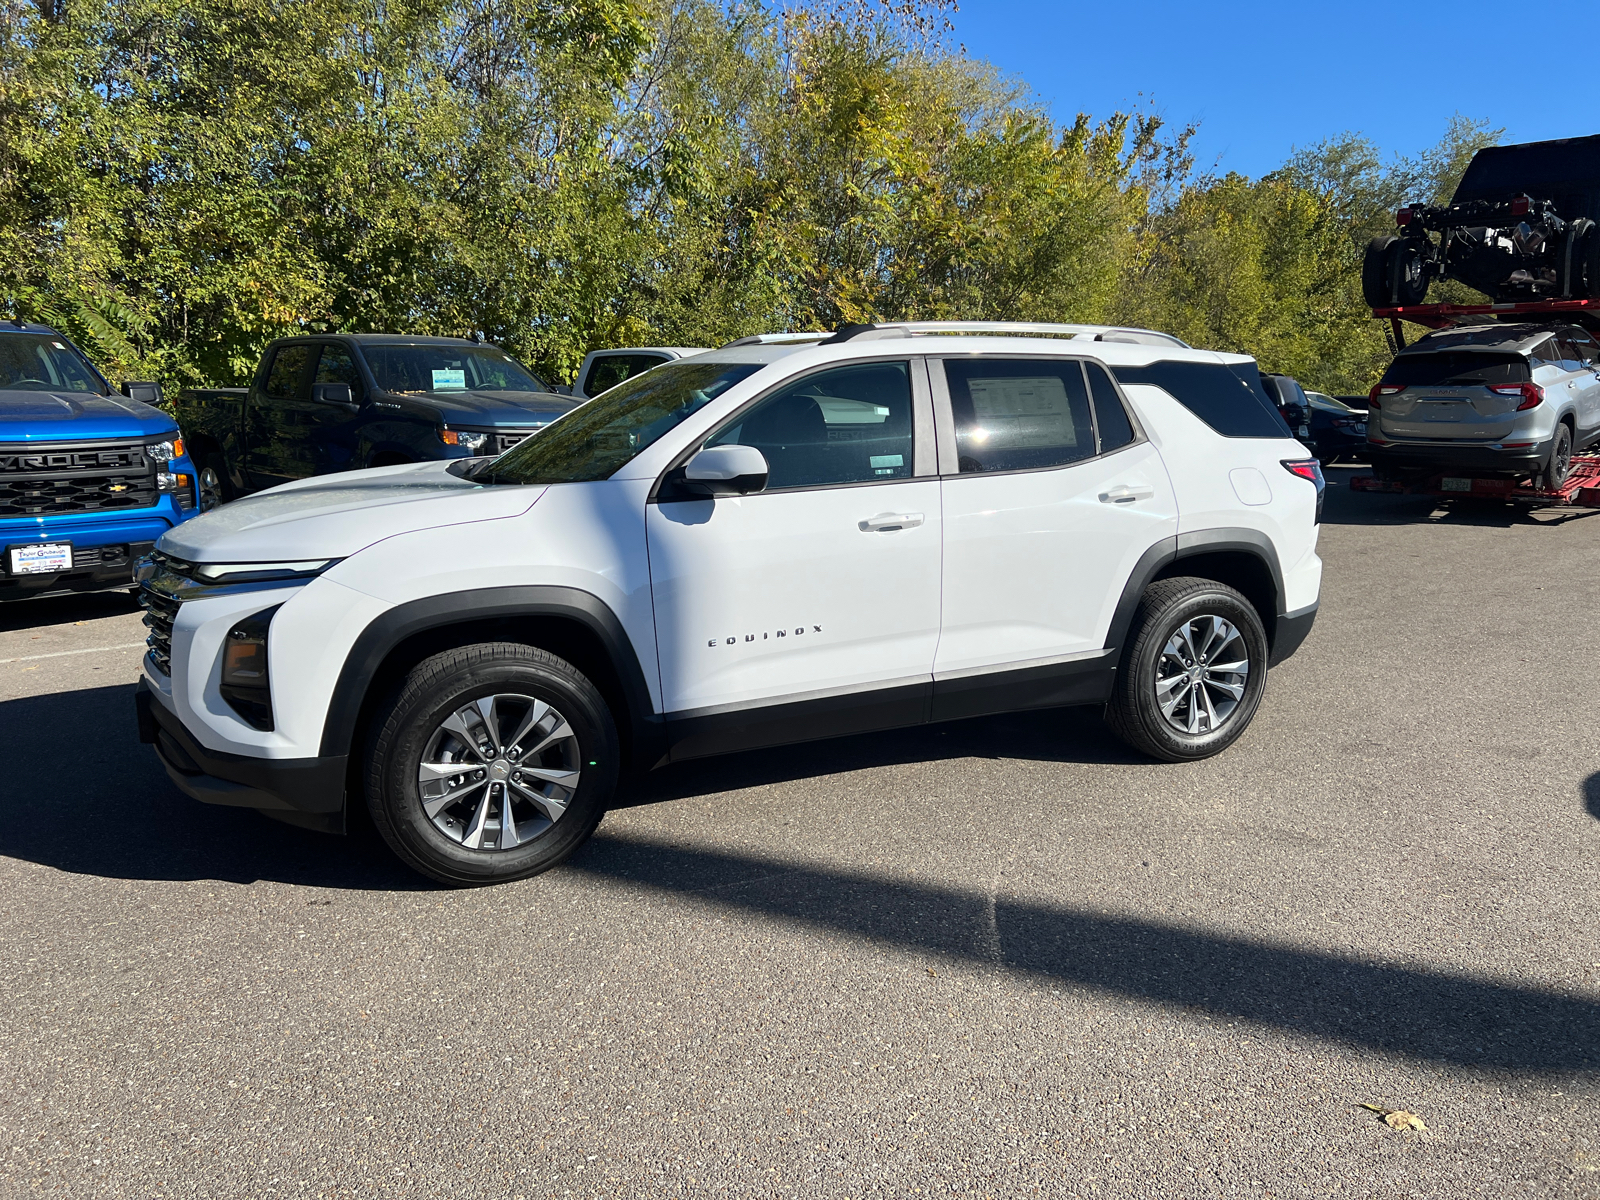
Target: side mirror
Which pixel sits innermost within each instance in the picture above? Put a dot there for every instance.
(332, 393)
(145, 393)
(726, 471)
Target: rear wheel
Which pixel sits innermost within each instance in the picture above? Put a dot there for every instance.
(1591, 263)
(1574, 265)
(493, 762)
(1193, 675)
(1375, 287)
(1559, 463)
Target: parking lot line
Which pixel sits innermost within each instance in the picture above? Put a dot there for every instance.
(64, 653)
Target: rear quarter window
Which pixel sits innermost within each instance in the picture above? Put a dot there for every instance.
(1227, 397)
(1457, 368)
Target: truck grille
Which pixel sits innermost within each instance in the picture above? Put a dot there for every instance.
(160, 614)
(504, 441)
(37, 481)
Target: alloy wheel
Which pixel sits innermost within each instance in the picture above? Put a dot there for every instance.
(210, 489)
(499, 771)
(1201, 674)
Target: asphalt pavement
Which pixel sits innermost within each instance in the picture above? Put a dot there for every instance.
(1002, 957)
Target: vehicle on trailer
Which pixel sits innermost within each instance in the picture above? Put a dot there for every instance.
(1509, 400)
(602, 370)
(1338, 427)
(771, 543)
(342, 402)
(89, 478)
(1520, 227)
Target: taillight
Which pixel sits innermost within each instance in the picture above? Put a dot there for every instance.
(1403, 217)
(1310, 470)
(1382, 389)
(1520, 206)
(1532, 394)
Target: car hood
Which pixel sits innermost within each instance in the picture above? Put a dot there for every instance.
(333, 516)
(509, 409)
(30, 416)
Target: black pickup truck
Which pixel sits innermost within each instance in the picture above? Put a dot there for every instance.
(341, 402)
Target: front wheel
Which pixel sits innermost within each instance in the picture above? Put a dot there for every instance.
(493, 762)
(1192, 677)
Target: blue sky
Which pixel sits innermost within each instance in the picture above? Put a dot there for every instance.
(1263, 78)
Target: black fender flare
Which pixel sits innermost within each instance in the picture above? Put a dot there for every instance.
(389, 629)
(1172, 550)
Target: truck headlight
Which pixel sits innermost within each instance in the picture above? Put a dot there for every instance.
(163, 452)
(244, 669)
(467, 441)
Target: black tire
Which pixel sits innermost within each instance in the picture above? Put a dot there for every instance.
(1559, 464)
(1591, 263)
(1574, 254)
(1134, 712)
(414, 718)
(217, 489)
(1376, 288)
(1407, 273)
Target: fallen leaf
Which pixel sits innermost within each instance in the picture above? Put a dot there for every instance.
(932, 972)
(1396, 1118)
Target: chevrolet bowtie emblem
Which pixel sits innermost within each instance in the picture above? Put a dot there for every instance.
(117, 487)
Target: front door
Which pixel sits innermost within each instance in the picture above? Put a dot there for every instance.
(1053, 498)
(274, 405)
(812, 607)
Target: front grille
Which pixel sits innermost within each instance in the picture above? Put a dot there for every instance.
(160, 614)
(86, 477)
(504, 441)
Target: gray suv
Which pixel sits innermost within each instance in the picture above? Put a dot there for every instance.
(1499, 399)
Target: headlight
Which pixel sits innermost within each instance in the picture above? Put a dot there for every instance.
(261, 572)
(166, 451)
(467, 441)
(244, 669)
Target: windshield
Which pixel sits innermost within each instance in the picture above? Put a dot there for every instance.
(597, 439)
(40, 362)
(448, 369)
(1462, 368)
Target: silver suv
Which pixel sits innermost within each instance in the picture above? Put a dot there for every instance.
(1498, 399)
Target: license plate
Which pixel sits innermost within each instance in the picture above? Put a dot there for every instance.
(43, 559)
(1452, 484)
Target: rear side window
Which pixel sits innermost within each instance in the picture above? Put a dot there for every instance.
(288, 369)
(1227, 397)
(848, 425)
(1019, 414)
(1116, 430)
(611, 369)
(1456, 368)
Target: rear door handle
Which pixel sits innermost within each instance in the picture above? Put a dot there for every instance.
(1125, 494)
(889, 522)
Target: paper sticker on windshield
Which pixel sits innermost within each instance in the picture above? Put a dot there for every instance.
(58, 345)
(449, 379)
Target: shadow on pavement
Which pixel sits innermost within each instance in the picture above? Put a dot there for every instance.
(1341, 506)
(1401, 1010)
(63, 610)
(86, 797)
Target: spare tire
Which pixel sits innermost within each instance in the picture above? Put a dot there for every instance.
(1376, 288)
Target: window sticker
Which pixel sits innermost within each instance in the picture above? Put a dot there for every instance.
(443, 380)
(58, 345)
(1022, 412)
(888, 460)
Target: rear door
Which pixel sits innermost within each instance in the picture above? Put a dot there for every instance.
(1586, 385)
(272, 452)
(1051, 495)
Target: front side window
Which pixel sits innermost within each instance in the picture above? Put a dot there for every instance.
(32, 362)
(611, 369)
(1019, 414)
(288, 369)
(845, 425)
(597, 439)
(336, 366)
(420, 369)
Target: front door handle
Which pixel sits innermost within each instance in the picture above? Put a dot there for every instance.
(889, 522)
(1126, 494)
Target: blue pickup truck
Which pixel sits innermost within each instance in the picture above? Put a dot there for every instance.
(89, 478)
(340, 402)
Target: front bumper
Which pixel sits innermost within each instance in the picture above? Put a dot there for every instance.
(105, 544)
(303, 791)
(1436, 457)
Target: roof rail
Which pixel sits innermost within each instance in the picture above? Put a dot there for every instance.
(1091, 333)
(778, 339)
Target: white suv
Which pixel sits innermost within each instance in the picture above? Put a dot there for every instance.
(769, 543)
